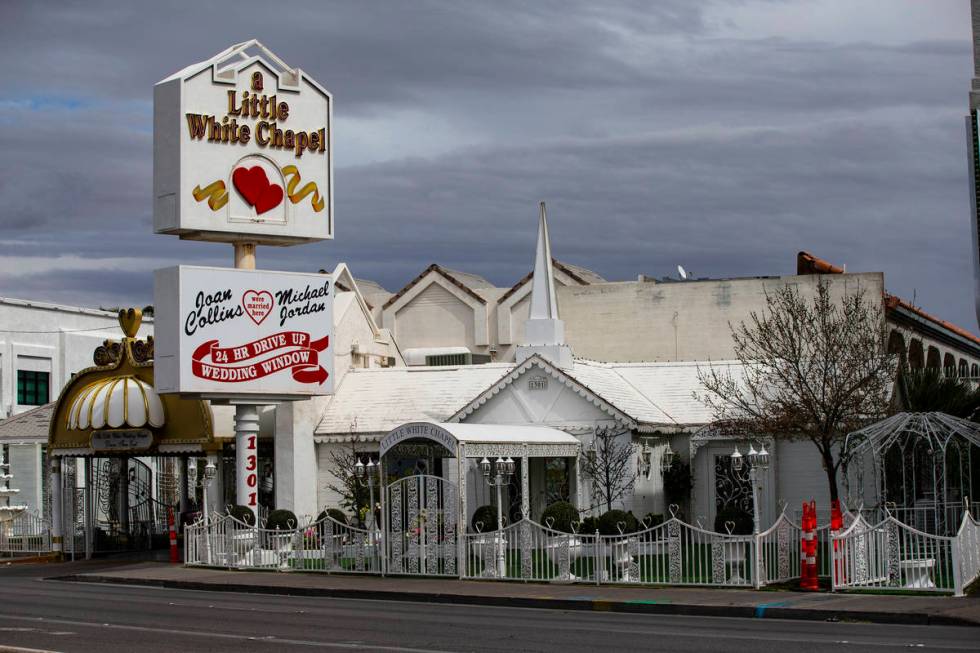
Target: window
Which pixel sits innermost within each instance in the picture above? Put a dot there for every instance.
(32, 387)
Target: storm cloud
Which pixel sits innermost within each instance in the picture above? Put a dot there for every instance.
(724, 136)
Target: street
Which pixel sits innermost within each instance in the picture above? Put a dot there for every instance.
(64, 616)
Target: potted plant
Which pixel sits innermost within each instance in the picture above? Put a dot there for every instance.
(563, 517)
(618, 525)
(489, 540)
(734, 521)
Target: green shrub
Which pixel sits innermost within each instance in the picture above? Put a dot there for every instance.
(651, 520)
(678, 482)
(283, 520)
(335, 514)
(243, 514)
(486, 517)
(589, 526)
(610, 522)
(562, 515)
(741, 519)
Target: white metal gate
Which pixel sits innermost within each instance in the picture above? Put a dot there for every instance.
(421, 523)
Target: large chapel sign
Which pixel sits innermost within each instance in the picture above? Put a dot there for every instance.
(243, 154)
(243, 332)
(243, 150)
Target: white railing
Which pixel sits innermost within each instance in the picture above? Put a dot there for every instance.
(892, 555)
(968, 551)
(889, 555)
(326, 545)
(26, 533)
(673, 553)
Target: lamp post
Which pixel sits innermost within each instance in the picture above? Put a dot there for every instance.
(366, 474)
(498, 475)
(209, 473)
(644, 463)
(758, 461)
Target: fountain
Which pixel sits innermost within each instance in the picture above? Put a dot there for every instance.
(7, 510)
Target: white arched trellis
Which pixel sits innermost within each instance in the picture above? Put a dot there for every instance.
(915, 465)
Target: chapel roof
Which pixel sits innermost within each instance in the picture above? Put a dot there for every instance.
(371, 402)
(29, 427)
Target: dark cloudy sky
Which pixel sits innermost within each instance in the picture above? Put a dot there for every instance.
(722, 135)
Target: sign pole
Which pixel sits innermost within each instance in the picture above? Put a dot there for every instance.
(247, 456)
(243, 154)
(246, 421)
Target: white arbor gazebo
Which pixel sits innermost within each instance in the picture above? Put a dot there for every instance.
(425, 516)
(918, 466)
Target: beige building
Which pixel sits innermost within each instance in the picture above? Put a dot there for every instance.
(448, 317)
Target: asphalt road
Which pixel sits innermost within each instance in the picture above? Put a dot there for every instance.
(59, 616)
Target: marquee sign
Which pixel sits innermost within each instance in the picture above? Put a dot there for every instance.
(242, 151)
(418, 431)
(230, 332)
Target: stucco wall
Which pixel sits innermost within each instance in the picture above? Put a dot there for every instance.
(435, 318)
(648, 321)
(46, 337)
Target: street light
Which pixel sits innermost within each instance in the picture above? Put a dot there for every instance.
(367, 473)
(758, 461)
(497, 475)
(210, 471)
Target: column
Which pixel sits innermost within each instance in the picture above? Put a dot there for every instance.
(183, 476)
(461, 470)
(124, 494)
(296, 458)
(57, 496)
(89, 503)
(216, 491)
(247, 456)
(577, 479)
(525, 486)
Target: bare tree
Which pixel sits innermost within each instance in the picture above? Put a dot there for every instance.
(812, 369)
(341, 466)
(609, 464)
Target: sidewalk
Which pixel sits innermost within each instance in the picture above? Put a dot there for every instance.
(653, 600)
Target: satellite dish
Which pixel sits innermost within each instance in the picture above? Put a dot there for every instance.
(681, 271)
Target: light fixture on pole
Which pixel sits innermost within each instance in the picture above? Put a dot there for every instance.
(210, 471)
(666, 459)
(497, 475)
(757, 461)
(365, 475)
(643, 461)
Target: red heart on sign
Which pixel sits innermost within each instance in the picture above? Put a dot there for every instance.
(255, 188)
(257, 304)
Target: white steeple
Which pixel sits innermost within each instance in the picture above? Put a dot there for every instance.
(544, 332)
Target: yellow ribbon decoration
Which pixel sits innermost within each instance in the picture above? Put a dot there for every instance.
(215, 193)
(296, 197)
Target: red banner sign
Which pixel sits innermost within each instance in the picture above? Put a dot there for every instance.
(212, 362)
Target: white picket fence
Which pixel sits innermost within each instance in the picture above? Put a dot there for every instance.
(326, 545)
(672, 553)
(892, 555)
(27, 533)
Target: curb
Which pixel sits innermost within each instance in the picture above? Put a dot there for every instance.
(762, 611)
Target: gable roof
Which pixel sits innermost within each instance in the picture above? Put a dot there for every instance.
(448, 276)
(373, 401)
(578, 274)
(30, 426)
(646, 396)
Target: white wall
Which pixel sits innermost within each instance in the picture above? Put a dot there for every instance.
(648, 321)
(49, 337)
(435, 318)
